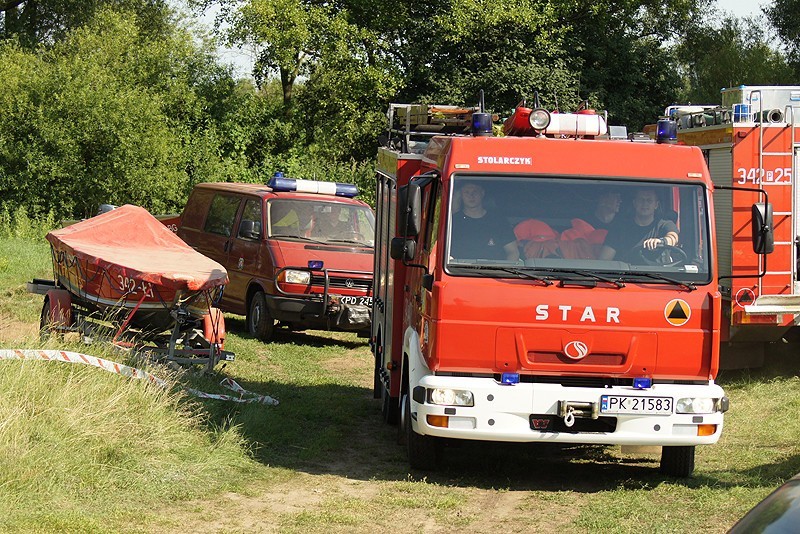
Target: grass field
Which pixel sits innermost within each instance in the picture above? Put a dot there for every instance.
(83, 450)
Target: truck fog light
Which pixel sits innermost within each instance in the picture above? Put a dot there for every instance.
(291, 276)
(695, 405)
(450, 397)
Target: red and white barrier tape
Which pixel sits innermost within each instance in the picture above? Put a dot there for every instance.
(132, 372)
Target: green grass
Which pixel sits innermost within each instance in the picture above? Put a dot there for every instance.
(89, 451)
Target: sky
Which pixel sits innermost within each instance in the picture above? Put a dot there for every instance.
(242, 61)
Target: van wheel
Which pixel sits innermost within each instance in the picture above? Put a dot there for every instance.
(677, 461)
(259, 322)
(423, 451)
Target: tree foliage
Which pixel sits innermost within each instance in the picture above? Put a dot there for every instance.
(735, 53)
(783, 15)
(36, 22)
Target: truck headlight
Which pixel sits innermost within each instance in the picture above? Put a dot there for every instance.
(291, 276)
(450, 397)
(695, 405)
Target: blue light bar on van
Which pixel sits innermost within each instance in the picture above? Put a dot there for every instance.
(279, 183)
(667, 131)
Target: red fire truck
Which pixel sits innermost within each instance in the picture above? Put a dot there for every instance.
(520, 326)
(751, 142)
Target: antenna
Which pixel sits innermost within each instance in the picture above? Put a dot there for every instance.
(482, 108)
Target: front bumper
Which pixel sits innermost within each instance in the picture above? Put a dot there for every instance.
(312, 313)
(506, 413)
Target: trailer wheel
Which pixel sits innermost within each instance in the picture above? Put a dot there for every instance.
(56, 313)
(423, 451)
(259, 322)
(677, 461)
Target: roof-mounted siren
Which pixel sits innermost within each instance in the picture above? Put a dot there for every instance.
(667, 131)
(282, 184)
(482, 121)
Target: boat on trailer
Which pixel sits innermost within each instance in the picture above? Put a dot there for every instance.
(124, 275)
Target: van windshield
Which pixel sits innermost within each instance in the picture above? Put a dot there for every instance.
(578, 227)
(322, 221)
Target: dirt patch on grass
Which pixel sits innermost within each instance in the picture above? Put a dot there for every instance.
(13, 331)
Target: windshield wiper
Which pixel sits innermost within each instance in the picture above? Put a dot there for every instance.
(618, 282)
(511, 270)
(350, 241)
(295, 236)
(655, 276)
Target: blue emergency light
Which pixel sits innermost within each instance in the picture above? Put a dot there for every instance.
(315, 265)
(667, 131)
(642, 383)
(282, 184)
(509, 379)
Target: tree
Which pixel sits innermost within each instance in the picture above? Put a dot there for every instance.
(782, 14)
(734, 53)
(106, 116)
(34, 22)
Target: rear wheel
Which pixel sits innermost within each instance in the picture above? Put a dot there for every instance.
(259, 322)
(423, 451)
(677, 461)
(46, 322)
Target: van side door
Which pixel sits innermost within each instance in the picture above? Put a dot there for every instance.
(248, 258)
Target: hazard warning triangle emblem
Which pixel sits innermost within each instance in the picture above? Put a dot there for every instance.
(677, 312)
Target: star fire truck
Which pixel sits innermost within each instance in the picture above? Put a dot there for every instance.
(547, 340)
(751, 143)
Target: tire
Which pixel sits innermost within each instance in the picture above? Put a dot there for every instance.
(677, 461)
(259, 323)
(46, 322)
(377, 383)
(423, 451)
(389, 407)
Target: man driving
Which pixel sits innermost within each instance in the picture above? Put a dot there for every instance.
(647, 231)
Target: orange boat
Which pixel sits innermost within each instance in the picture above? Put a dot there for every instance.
(126, 269)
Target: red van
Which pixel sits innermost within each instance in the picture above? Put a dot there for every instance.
(299, 253)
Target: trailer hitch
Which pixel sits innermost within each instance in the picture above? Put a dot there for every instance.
(570, 410)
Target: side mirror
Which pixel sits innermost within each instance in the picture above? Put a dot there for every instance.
(402, 249)
(250, 229)
(410, 197)
(763, 237)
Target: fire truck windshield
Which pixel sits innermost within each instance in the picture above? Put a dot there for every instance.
(322, 221)
(586, 228)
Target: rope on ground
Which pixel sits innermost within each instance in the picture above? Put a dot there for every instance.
(132, 372)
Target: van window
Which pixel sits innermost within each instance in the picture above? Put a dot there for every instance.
(250, 225)
(221, 215)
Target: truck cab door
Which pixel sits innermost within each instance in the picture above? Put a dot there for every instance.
(246, 251)
(420, 297)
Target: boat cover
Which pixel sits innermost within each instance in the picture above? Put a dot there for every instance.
(132, 243)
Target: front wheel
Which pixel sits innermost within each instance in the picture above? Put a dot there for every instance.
(677, 461)
(423, 451)
(259, 321)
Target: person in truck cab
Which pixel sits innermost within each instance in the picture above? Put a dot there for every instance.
(329, 224)
(476, 234)
(647, 231)
(606, 210)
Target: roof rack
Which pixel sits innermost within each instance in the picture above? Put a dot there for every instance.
(411, 126)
